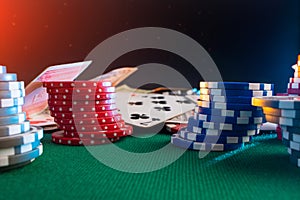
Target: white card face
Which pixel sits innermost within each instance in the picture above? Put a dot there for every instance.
(147, 110)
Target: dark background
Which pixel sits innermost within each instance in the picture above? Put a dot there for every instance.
(253, 41)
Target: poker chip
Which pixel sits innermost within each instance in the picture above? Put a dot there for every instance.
(2, 69)
(219, 125)
(294, 153)
(233, 120)
(13, 119)
(11, 102)
(282, 102)
(292, 85)
(291, 136)
(82, 115)
(213, 139)
(77, 84)
(91, 97)
(10, 111)
(293, 91)
(8, 77)
(252, 93)
(31, 136)
(201, 146)
(122, 132)
(282, 112)
(237, 85)
(93, 128)
(76, 90)
(226, 106)
(16, 85)
(81, 103)
(217, 132)
(229, 113)
(174, 128)
(21, 158)
(103, 120)
(14, 129)
(19, 149)
(9, 94)
(225, 99)
(59, 138)
(295, 80)
(74, 109)
(19, 165)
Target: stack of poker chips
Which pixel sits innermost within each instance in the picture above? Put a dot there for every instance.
(284, 111)
(293, 88)
(86, 113)
(224, 119)
(19, 143)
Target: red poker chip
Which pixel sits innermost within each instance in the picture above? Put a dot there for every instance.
(90, 97)
(293, 91)
(81, 90)
(80, 103)
(59, 138)
(75, 109)
(82, 115)
(92, 128)
(91, 121)
(79, 84)
(122, 132)
(174, 128)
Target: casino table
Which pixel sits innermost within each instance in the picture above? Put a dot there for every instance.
(260, 170)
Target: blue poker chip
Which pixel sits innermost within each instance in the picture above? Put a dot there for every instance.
(19, 149)
(294, 153)
(232, 120)
(220, 125)
(230, 113)
(35, 134)
(291, 129)
(237, 85)
(20, 158)
(226, 106)
(236, 93)
(214, 139)
(226, 99)
(216, 132)
(295, 160)
(4, 112)
(14, 129)
(192, 145)
(286, 142)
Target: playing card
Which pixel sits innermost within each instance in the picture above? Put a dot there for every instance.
(147, 110)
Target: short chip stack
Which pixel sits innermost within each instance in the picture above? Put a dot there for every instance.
(86, 113)
(19, 143)
(293, 88)
(224, 119)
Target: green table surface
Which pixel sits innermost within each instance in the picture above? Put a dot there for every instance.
(260, 171)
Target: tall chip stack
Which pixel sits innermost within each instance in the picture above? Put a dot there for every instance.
(224, 119)
(19, 143)
(285, 111)
(86, 113)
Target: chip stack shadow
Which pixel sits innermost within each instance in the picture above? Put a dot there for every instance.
(19, 142)
(86, 113)
(224, 118)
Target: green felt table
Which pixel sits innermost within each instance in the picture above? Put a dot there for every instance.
(260, 171)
